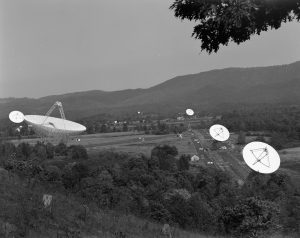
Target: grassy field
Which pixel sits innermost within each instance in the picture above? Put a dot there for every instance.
(133, 143)
(290, 162)
(129, 142)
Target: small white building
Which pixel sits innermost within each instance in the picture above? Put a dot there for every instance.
(195, 158)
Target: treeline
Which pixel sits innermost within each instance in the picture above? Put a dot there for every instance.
(281, 123)
(148, 127)
(162, 188)
(9, 129)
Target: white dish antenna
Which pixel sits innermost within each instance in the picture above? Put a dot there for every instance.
(189, 112)
(47, 126)
(219, 132)
(261, 157)
(16, 116)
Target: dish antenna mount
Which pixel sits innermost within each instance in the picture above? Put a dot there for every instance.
(60, 108)
(261, 155)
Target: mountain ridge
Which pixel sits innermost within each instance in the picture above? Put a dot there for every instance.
(270, 84)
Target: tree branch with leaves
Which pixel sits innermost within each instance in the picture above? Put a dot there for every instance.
(222, 21)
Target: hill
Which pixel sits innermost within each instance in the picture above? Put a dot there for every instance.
(206, 90)
(69, 216)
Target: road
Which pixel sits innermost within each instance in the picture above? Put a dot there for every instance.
(229, 160)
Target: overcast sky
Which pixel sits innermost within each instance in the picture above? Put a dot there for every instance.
(58, 46)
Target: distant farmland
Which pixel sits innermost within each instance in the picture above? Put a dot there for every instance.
(129, 142)
(133, 143)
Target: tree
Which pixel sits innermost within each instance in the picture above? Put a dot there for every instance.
(78, 152)
(158, 212)
(61, 149)
(7, 149)
(51, 173)
(278, 140)
(241, 138)
(221, 21)
(260, 138)
(99, 189)
(125, 127)
(164, 150)
(183, 162)
(24, 150)
(50, 150)
(73, 173)
(90, 128)
(215, 145)
(103, 128)
(166, 156)
(290, 215)
(180, 210)
(251, 215)
(202, 214)
(40, 150)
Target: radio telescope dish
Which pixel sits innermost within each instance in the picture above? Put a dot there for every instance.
(261, 157)
(52, 126)
(16, 116)
(189, 112)
(47, 126)
(219, 132)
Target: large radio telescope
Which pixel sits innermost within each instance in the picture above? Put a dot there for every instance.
(261, 157)
(189, 112)
(46, 126)
(219, 132)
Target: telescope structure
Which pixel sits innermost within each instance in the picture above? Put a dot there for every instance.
(47, 126)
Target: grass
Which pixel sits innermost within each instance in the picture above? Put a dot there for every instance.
(290, 159)
(126, 142)
(290, 163)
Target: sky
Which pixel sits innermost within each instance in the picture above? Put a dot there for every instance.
(50, 47)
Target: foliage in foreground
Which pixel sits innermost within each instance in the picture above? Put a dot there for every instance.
(221, 21)
(160, 188)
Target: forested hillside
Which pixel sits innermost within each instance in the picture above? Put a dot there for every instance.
(160, 189)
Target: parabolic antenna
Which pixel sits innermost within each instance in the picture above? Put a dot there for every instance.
(219, 132)
(261, 157)
(16, 116)
(52, 126)
(189, 112)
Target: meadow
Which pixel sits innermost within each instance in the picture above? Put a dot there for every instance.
(290, 163)
(128, 142)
